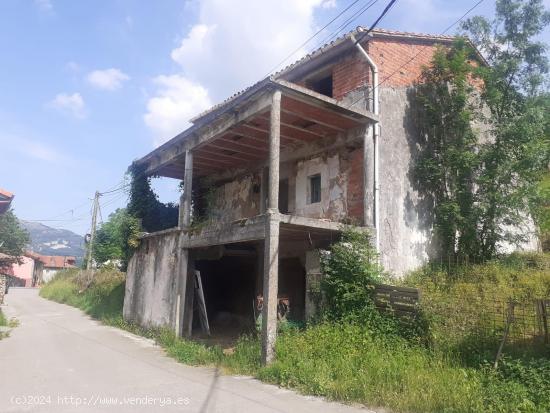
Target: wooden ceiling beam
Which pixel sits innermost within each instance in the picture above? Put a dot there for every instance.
(240, 144)
(211, 149)
(299, 128)
(263, 130)
(222, 144)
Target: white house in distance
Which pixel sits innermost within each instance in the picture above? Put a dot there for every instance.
(55, 263)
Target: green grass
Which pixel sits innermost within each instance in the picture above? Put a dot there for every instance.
(351, 363)
(466, 307)
(3, 320)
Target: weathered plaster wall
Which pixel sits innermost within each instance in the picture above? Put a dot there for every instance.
(239, 198)
(333, 188)
(152, 281)
(335, 158)
(405, 219)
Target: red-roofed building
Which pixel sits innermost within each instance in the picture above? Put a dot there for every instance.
(54, 263)
(35, 269)
(5, 200)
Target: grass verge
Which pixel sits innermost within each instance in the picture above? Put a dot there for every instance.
(345, 362)
(4, 322)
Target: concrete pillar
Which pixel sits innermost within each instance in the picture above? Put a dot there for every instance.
(368, 177)
(186, 198)
(271, 245)
(184, 289)
(189, 292)
(313, 284)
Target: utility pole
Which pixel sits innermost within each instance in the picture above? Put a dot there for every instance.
(92, 234)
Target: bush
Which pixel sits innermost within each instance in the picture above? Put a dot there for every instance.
(102, 299)
(351, 270)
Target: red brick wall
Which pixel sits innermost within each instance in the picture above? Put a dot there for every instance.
(389, 55)
(348, 74)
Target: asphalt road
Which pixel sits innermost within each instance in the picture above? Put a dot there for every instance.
(60, 360)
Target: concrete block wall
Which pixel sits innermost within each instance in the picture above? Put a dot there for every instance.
(153, 279)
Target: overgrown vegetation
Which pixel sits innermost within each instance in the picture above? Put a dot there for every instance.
(13, 238)
(351, 269)
(116, 239)
(360, 362)
(145, 205)
(484, 153)
(542, 215)
(4, 322)
(102, 299)
(466, 306)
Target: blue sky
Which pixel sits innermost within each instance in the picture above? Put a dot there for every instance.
(88, 86)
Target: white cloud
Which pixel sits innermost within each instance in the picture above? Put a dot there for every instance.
(44, 5)
(72, 66)
(329, 4)
(234, 44)
(108, 79)
(69, 104)
(39, 151)
(33, 149)
(178, 99)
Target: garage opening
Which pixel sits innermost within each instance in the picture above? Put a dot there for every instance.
(229, 286)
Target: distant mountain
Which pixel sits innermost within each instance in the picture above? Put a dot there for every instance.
(52, 241)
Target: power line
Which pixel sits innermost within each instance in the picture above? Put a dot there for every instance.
(422, 48)
(121, 187)
(384, 12)
(55, 220)
(346, 23)
(312, 37)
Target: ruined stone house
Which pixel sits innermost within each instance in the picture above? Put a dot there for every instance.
(270, 175)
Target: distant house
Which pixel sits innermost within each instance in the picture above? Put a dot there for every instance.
(29, 269)
(54, 263)
(35, 269)
(7, 277)
(5, 200)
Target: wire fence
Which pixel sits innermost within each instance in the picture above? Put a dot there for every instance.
(485, 323)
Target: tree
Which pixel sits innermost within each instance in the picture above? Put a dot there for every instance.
(484, 186)
(13, 238)
(117, 238)
(448, 159)
(516, 155)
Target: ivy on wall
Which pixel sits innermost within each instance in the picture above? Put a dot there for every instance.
(145, 205)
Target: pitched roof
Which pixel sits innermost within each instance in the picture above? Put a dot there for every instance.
(5, 194)
(5, 200)
(323, 49)
(326, 51)
(56, 261)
